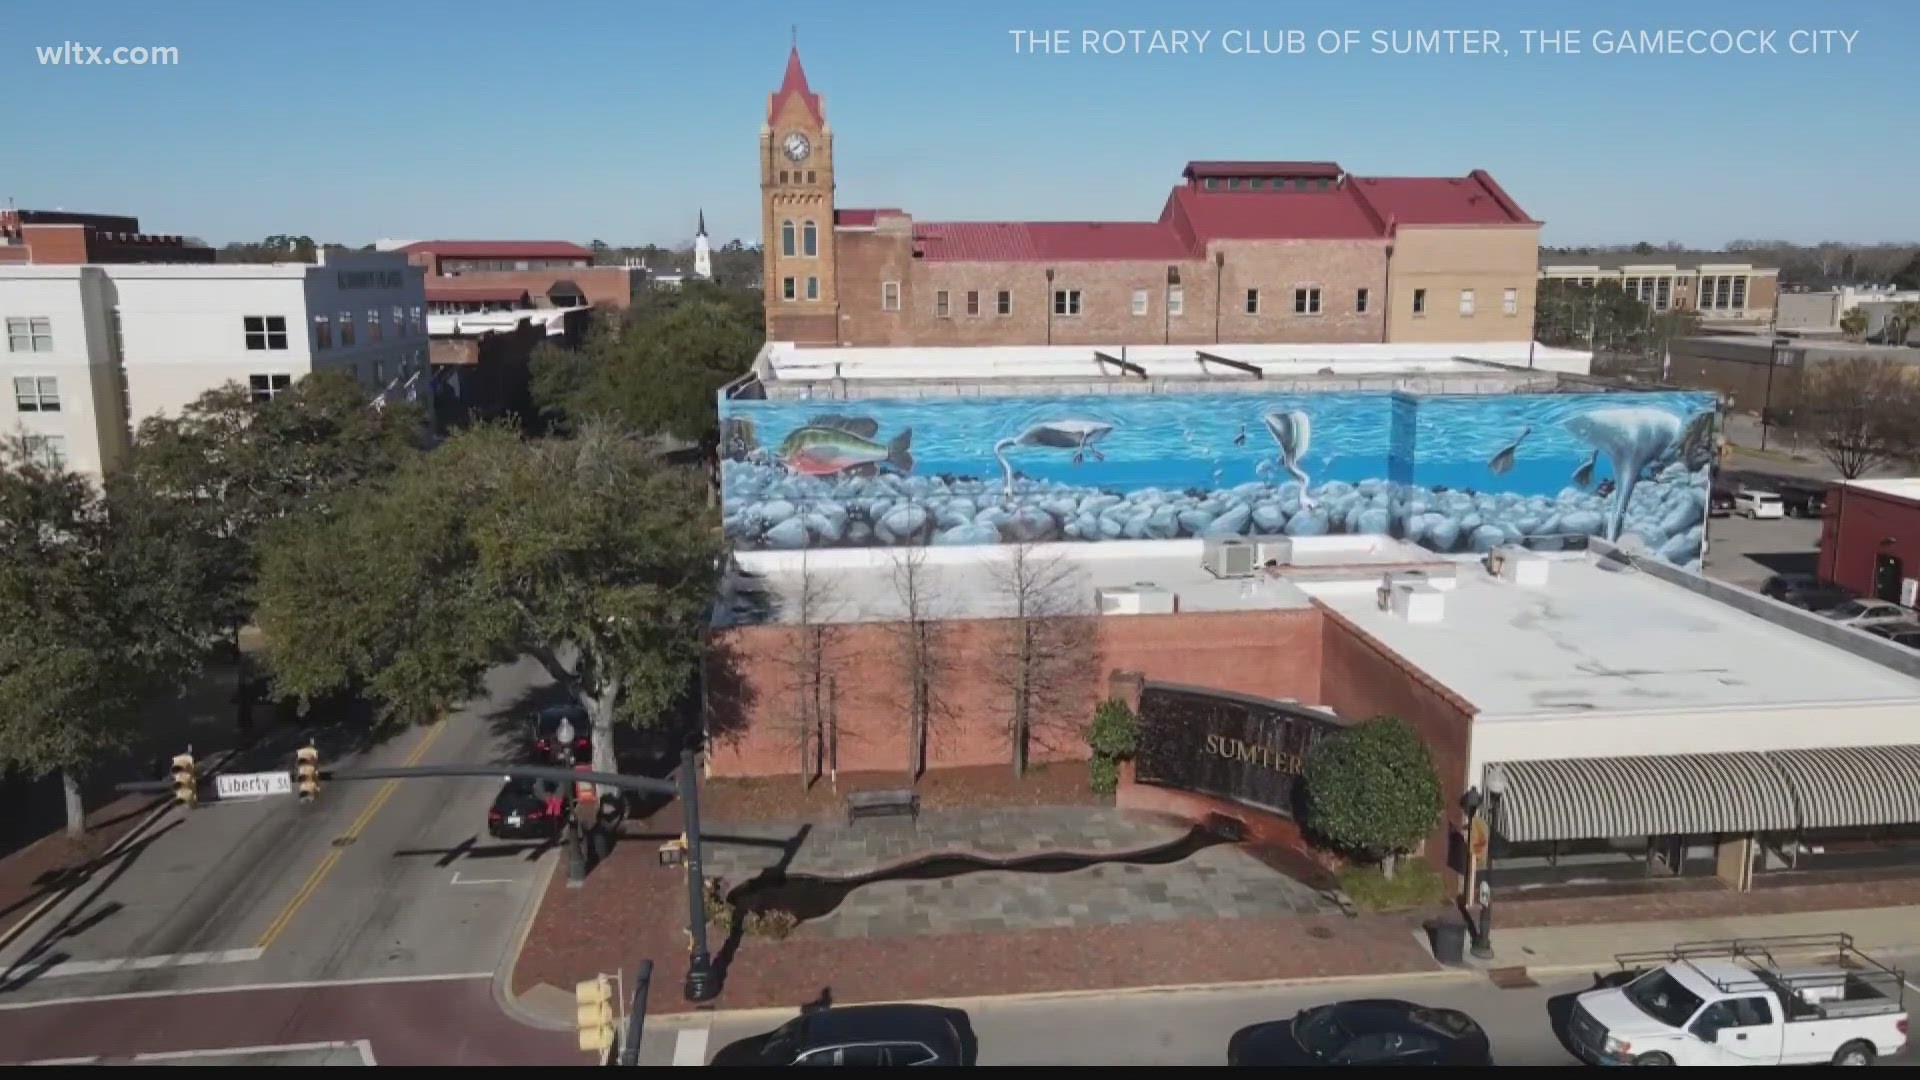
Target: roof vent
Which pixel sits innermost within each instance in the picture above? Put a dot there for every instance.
(1418, 602)
(1229, 558)
(1517, 566)
(1144, 598)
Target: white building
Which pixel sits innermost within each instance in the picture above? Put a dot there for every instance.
(93, 350)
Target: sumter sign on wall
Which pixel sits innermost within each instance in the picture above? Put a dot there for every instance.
(1246, 749)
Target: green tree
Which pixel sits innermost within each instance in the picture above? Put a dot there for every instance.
(1854, 323)
(1908, 276)
(95, 621)
(227, 465)
(1901, 322)
(1114, 737)
(589, 553)
(1859, 410)
(1601, 316)
(659, 369)
(1372, 790)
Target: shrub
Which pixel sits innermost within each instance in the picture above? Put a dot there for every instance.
(1372, 791)
(773, 923)
(1114, 737)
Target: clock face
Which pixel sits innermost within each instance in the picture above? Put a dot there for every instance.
(797, 147)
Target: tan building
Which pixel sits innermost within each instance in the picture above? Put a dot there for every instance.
(1243, 251)
(1727, 289)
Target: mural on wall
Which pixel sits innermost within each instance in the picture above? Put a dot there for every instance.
(1455, 473)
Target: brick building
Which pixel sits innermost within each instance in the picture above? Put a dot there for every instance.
(552, 273)
(1728, 289)
(1870, 538)
(1242, 251)
(59, 238)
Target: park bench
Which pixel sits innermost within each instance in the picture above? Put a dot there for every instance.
(862, 804)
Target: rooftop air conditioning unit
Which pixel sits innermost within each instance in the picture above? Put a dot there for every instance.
(1517, 566)
(1140, 598)
(1229, 558)
(1272, 549)
(1418, 602)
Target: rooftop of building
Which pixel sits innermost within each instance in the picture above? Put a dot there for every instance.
(1562, 262)
(209, 271)
(786, 370)
(1898, 487)
(504, 249)
(1607, 634)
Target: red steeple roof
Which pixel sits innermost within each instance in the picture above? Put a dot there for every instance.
(795, 83)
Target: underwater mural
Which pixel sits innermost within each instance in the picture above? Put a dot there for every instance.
(1454, 473)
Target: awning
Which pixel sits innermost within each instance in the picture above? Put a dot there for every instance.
(1845, 786)
(1578, 799)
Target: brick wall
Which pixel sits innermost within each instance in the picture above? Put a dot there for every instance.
(605, 286)
(1851, 543)
(56, 245)
(1274, 654)
(1360, 678)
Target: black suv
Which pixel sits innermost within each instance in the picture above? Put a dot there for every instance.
(1803, 500)
(1805, 592)
(869, 1035)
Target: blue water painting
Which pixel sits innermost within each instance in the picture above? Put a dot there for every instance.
(1456, 473)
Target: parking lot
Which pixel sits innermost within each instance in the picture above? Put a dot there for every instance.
(1745, 553)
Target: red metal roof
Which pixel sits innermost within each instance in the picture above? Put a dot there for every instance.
(1031, 241)
(1288, 169)
(1333, 214)
(500, 249)
(862, 218)
(795, 83)
(455, 289)
(1473, 199)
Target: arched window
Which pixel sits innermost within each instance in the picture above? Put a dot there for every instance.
(786, 238)
(811, 240)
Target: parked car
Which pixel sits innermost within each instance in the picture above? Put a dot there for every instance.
(1898, 633)
(865, 1035)
(1739, 1003)
(1805, 591)
(1801, 501)
(1759, 505)
(524, 810)
(545, 735)
(1720, 501)
(1369, 1032)
(1864, 613)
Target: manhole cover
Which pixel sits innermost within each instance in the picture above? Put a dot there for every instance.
(344, 841)
(1320, 932)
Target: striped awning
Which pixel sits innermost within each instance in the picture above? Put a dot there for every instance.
(1846, 786)
(1578, 799)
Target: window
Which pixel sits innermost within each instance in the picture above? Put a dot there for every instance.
(783, 176)
(1253, 301)
(786, 238)
(1139, 301)
(1663, 294)
(1255, 184)
(809, 176)
(1325, 183)
(399, 321)
(973, 301)
(322, 332)
(1176, 301)
(813, 288)
(36, 393)
(267, 387)
(265, 331)
(1300, 185)
(374, 325)
(346, 329)
(1722, 291)
(1066, 301)
(1632, 287)
(889, 296)
(1212, 183)
(1306, 301)
(1510, 302)
(1586, 283)
(788, 289)
(1739, 293)
(1360, 302)
(379, 371)
(419, 320)
(809, 240)
(940, 304)
(1003, 303)
(30, 335)
(1234, 184)
(49, 450)
(1466, 303)
(1419, 301)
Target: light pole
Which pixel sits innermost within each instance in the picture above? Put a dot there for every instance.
(1766, 408)
(703, 981)
(1472, 802)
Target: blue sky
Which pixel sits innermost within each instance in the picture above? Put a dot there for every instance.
(352, 120)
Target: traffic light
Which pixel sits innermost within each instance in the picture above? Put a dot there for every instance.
(593, 1013)
(186, 781)
(306, 771)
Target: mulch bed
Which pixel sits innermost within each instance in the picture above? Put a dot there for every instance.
(48, 865)
(763, 798)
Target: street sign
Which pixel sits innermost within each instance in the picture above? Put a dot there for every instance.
(252, 785)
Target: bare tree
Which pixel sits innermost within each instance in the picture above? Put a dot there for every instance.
(1043, 658)
(1861, 411)
(923, 651)
(813, 610)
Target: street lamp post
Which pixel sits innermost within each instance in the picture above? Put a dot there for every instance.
(703, 981)
(1472, 801)
(1766, 408)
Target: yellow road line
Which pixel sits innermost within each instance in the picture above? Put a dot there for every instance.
(320, 872)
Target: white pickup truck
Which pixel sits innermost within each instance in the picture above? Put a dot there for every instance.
(1761, 1001)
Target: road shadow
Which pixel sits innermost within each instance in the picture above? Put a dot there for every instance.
(80, 919)
(1787, 562)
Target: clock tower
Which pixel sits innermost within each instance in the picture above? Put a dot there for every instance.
(796, 213)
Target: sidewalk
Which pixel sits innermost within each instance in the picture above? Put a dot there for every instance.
(1550, 949)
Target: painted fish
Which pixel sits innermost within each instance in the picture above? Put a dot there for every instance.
(1583, 475)
(825, 451)
(1502, 462)
(864, 426)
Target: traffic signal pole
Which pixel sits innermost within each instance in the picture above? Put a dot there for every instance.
(703, 982)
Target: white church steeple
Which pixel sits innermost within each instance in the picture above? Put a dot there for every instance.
(702, 253)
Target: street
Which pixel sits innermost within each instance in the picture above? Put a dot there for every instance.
(380, 912)
(1184, 1027)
